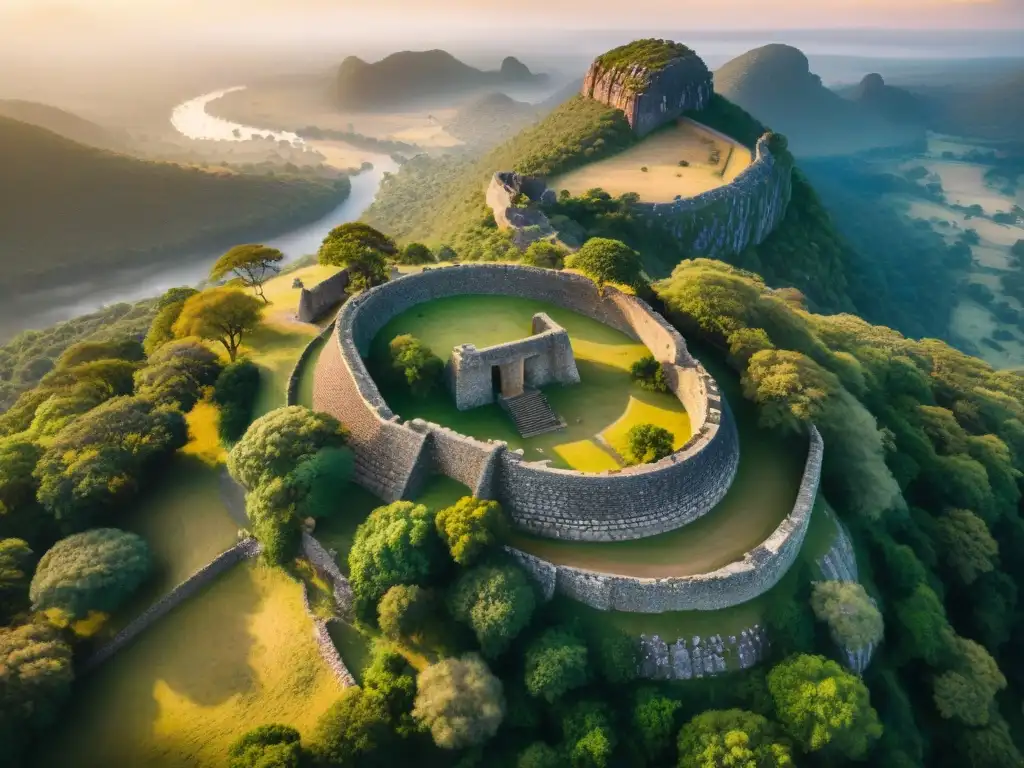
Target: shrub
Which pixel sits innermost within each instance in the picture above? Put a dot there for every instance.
(544, 253)
(415, 364)
(556, 663)
(268, 746)
(460, 702)
(176, 374)
(607, 261)
(403, 610)
(716, 736)
(470, 527)
(235, 394)
(648, 443)
(415, 253)
(319, 482)
(92, 571)
(852, 616)
(647, 371)
(15, 576)
(497, 602)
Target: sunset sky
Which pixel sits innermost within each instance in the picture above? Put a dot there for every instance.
(777, 14)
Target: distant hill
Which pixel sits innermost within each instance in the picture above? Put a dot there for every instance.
(896, 105)
(994, 110)
(489, 119)
(415, 75)
(72, 211)
(65, 124)
(774, 84)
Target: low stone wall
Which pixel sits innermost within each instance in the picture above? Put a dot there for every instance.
(315, 301)
(226, 560)
(701, 657)
(758, 571)
(728, 219)
(295, 376)
(393, 459)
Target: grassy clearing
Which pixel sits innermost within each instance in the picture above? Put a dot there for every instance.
(238, 655)
(606, 395)
(644, 412)
(661, 154)
(204, 441)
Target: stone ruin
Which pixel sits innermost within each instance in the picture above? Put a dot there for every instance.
(477, 376)
(514, 199)
(701, 657)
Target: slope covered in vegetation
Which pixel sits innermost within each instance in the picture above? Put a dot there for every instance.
(75, 211)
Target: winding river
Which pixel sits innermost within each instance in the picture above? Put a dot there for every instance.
(43, 308)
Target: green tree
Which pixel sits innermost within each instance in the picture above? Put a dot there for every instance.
(470, 527)
(539, 755)
(648, 443)
(415, 364)
(924, 631)
(267, 746)
(617, 658)
(96, 463)
(397, 544)
(224, 315)
(126, 349)
(460, 702)
(821, 706)
(390, 677)
(723, 738)
(589, 734)
(276, 443)
(745, 343)
(177, 373)
(790, 389)
(556, 663)
(415, 253)
(966, 692)
(607, 261)
(161, 329)
(403, 610)
(349, 240)
(647, 371)
(15, 575)
(654, 721)
(92, 571)
(19, 516)
(545, 254)
(35, 682)
(354, 731)
(968, 547)
(318, 480)
(988, 747)
(853, 618)
(235, 393)
(497, 602)
(252, 264)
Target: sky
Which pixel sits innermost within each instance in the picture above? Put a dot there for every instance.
(380, 15)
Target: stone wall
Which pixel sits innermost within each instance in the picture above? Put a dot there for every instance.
(758, 571)
(651, 99)
(295, 376)
(393, 459)
(315, 301)
(539, 360)
(244, 549)
(728, 219)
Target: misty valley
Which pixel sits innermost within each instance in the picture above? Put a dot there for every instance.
(396, 385)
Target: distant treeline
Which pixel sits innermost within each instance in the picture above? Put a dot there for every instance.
(357, 140)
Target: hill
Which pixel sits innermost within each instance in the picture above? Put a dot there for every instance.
(415, 75)
(76, 211)
(993, 110)
(63, 123)
(774, 83)
(896, 105)
(490, 118)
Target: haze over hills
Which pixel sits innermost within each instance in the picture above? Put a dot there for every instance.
(416, 75)
(774, 83)
(995, 110)
(79, 211)
(896, 105)
(63, 123)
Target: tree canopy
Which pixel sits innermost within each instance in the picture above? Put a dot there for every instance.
(497, 602)
(607, 261)
(225, 315)
(267, 746)
(251, 263)
(415, 364)
(470, 527)
(177, 373)
(15, 574)
(852, 616)
(556, 663)
(732, 737)
(648, 443)
(460, 701)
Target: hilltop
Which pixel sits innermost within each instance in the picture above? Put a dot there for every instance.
(63, 123)
(415, 75)
(490, 118)
(774, 83)
(993, 111)
(79, 211)
(896, 105)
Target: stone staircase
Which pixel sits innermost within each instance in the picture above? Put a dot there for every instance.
(531, 413)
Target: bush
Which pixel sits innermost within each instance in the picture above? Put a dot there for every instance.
(415, 253)
(460, 702)
(852, 616)
(235, 394)
(318, 482)
(415, 364)
(607, 261)
(544, 253)
(403, 610)
(92, 571)
(648, 443)
(556, 663)
(177, 373)
(470, 527)
(268, 746)
(647, 371)
(497, 602)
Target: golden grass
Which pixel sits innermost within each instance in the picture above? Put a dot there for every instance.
(586, 456)
(239, 655)
(664, 178)
(204, 442)
(675, 420)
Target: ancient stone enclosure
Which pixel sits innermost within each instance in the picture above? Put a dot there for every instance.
(394, 458)
(477, 376)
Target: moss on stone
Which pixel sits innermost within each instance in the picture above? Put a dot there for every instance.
(650, 53)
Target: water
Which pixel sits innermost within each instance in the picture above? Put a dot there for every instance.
(43, 308)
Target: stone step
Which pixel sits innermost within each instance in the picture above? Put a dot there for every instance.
(531, 413)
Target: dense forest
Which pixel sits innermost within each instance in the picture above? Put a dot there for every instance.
(80, 211)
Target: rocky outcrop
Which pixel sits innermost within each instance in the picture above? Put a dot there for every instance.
(514, 200)
(650, 88)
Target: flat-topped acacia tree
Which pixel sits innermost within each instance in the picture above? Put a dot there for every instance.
(253, 264)
(224, 315)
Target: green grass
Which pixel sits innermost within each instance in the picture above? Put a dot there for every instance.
(237, 655)
(651, 53)
(604, 397)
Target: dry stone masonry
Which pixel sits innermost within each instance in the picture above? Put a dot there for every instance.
(757, 572)
(701, 657)
(315, 301)
(393, 459)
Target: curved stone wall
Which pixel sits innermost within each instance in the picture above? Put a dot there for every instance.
(758, 571)
(394, 458)
(728, 219)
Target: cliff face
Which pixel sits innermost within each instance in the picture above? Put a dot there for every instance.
(650, 93)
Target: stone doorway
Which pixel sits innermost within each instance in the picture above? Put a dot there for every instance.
(508, 379)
